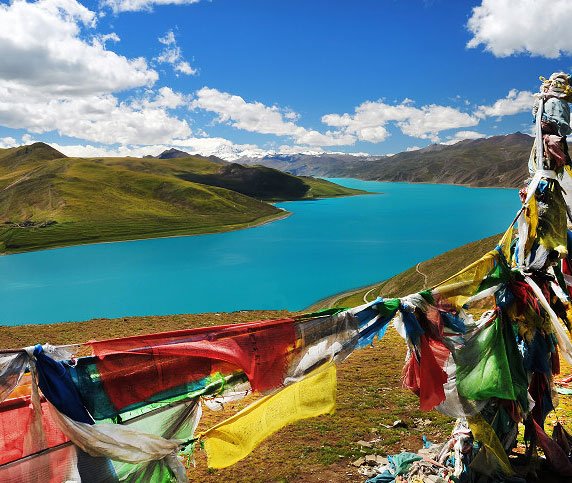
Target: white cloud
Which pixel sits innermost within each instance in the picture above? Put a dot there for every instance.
(8, 142)
(102, 118)
(427, 122)
(171, 54)
(164, 98)
(112, 37)
(250, 116)
(413, 148)
(168, 38)
(27, 139)
(462, 136)
(263, 119)
(204, 146)
(53, 79)
(469, 135)
(310, 137)
(185, 68)
(291, 115)
(514, 103)
(368, 123)
(537, 27)
(42, 48)
(142, 5)
(370, 119)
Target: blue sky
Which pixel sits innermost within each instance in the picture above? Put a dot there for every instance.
(234, 76)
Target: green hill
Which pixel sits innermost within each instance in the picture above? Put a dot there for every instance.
(265, 183)
(12, 158)
(48, 199)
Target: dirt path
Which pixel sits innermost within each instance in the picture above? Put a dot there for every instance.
(366, 295)
(422, 274)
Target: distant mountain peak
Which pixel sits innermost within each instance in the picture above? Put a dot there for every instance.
(45, 149)
(35, 152)
(216, 159)
(173, 153)
(518, 135)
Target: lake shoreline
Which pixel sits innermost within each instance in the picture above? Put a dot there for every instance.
(465, 185)
(245, 226)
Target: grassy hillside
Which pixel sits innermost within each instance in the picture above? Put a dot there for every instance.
(423, 275)
(495, 161)
(267, 184)
(47, 199)
(321, 188)
(369, 396)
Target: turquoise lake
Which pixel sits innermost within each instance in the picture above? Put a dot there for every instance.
(326, 246)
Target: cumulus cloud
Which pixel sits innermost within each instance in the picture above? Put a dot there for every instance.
(310, 137)
(250, 116)
(27, 139)
(42, 48)
(59, 74)
(185, 68)
(171, 54)
(119, 6)
(514, 103)
(370, 120)
(428, 121)
(462, 136)
(8, 142)
(260, 118)
(468, 135)
(96, 118)
(103, 39)
(163, 98)
(54, 78)
(536, 27)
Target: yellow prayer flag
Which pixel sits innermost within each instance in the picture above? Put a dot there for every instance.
(531, 217)
(233, 439)
(505, 243)
(464, 284)
(483, 432)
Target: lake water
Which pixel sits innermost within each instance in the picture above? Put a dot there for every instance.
(326, 246)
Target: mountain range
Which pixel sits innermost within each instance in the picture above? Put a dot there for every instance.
(498, 161)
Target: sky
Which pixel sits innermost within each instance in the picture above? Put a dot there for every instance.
(251, 77)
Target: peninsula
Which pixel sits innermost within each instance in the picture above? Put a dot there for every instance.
(49, 200)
